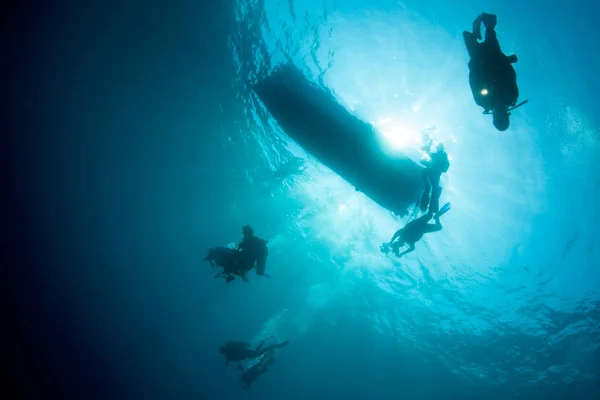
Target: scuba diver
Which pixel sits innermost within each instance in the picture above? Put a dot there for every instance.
(240, 261)
(249, 375)
(492, 77)
(436, 164)
(235, 351)
(414, 231)
(252, 250)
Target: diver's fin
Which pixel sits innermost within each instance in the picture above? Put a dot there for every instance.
(489, 20)
(445, 208)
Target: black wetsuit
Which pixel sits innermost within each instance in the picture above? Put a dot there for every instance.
(414, 230)
(491, 70)
(253, 249)
(438, 165)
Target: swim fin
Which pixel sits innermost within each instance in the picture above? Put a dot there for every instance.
(445, 208)
(489, 20)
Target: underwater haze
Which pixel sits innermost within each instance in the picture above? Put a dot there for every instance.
(141, 144)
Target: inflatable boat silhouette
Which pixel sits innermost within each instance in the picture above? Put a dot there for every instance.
(350, 147)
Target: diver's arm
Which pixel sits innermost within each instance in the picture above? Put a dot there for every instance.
(396, 235)
(411, 247)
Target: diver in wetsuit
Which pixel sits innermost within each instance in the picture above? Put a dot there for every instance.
(414, 231)
(240, 261)
(492, 77)
(252, 250)
(436, 164)
(248, 376)
(235, 351)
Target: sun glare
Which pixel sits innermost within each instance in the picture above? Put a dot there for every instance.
(398, 136)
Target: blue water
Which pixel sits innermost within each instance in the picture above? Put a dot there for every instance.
(150, 147)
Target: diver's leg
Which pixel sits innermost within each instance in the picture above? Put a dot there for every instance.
(275, 346)
(429, 228)
(471, 44)
(491, 41)
(489, 20)
(436, 191)
(425, 196)
(434, 205)
(423, 219)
